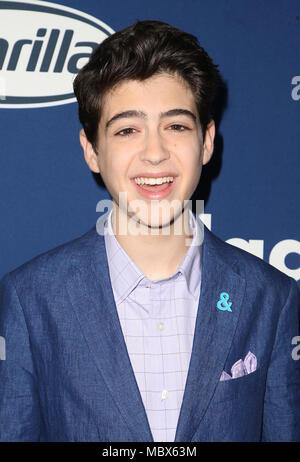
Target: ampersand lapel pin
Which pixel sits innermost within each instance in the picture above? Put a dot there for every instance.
(223, 303)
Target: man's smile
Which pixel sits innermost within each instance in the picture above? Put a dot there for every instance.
(151, 188)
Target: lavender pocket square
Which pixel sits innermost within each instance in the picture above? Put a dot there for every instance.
(241, 367)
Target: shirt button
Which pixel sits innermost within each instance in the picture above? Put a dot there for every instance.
(160, 326)
(164, 394)
(148, 285)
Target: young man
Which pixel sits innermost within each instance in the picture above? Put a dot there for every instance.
(148, 328)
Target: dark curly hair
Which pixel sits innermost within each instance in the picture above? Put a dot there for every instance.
(138, 52)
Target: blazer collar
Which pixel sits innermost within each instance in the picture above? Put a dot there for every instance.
(214, 332)
(90, 291)
(92, 298)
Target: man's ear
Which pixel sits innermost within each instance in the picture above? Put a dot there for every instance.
(208, 145)
(89, 153)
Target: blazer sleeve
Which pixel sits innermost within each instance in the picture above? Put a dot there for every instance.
(281, 419)
(19, 403)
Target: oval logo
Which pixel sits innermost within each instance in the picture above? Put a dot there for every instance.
(42, 47)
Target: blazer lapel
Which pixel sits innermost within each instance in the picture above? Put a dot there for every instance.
(214, 331)
(92, 298)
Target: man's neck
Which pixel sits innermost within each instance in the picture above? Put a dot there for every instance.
(157, 255)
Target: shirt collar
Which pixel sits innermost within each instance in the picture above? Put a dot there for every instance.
(190, 265)
(125, 274)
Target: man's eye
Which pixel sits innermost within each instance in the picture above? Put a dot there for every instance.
(178, 128)
(126, 131)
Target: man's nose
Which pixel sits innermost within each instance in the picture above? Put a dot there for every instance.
(155, 149)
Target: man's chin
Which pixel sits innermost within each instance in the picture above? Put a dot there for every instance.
(151, 224)
(157, 218)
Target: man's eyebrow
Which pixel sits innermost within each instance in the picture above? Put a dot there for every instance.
(125, 115)
(142, 115)
(175, 112)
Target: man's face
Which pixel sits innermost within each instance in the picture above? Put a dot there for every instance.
(150, 127)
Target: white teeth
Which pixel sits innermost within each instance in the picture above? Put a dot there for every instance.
(153, 181)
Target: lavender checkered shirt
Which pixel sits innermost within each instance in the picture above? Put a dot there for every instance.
(158, 323)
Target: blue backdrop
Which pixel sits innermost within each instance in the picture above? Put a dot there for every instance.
(251, 188)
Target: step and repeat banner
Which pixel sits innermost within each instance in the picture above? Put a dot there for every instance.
(250, 189)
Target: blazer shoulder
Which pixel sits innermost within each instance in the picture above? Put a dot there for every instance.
(56, 264)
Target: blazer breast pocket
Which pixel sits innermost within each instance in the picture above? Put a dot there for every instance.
(243, 387)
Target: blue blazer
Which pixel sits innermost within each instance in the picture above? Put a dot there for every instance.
(67, 375)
